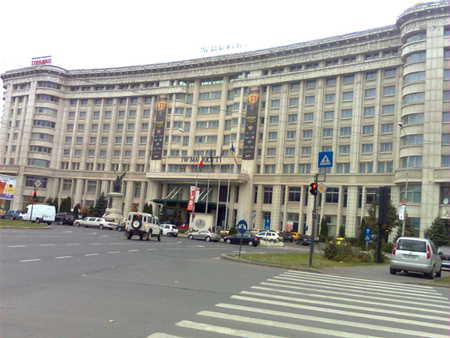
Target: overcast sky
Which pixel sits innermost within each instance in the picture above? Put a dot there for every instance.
(98, 33)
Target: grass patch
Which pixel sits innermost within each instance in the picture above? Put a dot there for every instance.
(444, 281)
(9, 223)
(298, 260)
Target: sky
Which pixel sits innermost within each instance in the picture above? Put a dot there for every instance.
(98, 34)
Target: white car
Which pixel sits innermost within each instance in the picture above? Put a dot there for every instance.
(143, 225)
(169, 230)
(95, 222)
(268, 236)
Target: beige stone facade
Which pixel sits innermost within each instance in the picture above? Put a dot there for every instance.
(379, 99)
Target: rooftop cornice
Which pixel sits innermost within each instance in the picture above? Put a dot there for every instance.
(424, 9)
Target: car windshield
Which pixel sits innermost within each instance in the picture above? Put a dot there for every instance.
(412, 245)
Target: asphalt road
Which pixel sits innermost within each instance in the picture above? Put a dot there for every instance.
(77, 282)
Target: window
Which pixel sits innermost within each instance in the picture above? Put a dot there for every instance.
(386, 147)
(342, 168)
(371, 76)
(346, 113)
(271, 151)
(274, 119)
(412, 139)
(267, 195)
(276, 89)
(294, 194)
(411, 192)
(68, 139)
(69, 127)
(410, 119)
(306, 151)
(347, 96)
(307, 134)
(106, 127)
(327, 132)
(304, 168)
(273, 135)
(385, 167)
(345, 131)
(119, 126)
(269, 169)
(294, 85)
(416, 57)
(290, 151)
(107, 115)
(446, 95)
(79, 140)
(388, 109)
(387, 128)
(129, 140)
(367, 148)
(310, 99)
(311, 84)
(275, 104)
(369, 111)
(328, 115)
(308, 117)
(80, 127)
(330, 98)
(446, 116)
(414, 77)
(38, 162)
(92, 140)
(344, 149)
(416, 37)
(446, 139)
(291, 134)
(370, 93)
(445, 161)
(292, 118)
(331, 81)
(389, 72)
(293, 102)
(130, 126)
(332, 195)
(288, 168)
(365, 167)
(446, 74)
(447, 53)
(104, 140)
(348, 79)
(389, 91)
(413, 162)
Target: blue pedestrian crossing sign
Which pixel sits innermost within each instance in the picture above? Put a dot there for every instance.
(242, 226)
(367, 234)
(325, 159)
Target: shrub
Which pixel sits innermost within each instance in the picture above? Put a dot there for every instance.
(387, 247)
(232, 231)
(346, 253)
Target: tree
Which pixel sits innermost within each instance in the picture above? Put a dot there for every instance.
(323, 234)
(438, 232)
(100, 206)
(55, 202)
(342, 230)
(66, 204)
(134, 207)
(392, 221)
(148, 208)
(76, 211)
(84, 211)
(410, 231)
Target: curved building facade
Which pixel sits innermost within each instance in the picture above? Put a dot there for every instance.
(379, 99)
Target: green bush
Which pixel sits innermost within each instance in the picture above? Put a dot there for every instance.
(330, 251)
(387, 247)
(346, 253)
(232, 231)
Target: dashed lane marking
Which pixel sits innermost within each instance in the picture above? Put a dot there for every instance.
(92, 254)
(47, 244)
(113, 252)
(16, 246)
(133, 250)
(73, 244)
(63, 257)
(30, 260)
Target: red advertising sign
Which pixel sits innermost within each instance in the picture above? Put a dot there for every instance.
(41, 60)
(193, 198)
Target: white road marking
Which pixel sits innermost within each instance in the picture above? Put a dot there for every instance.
(30, 260)
(341, 312)
(282, 325)
(352, 300)
(199, 246)
(360, 294)
(68, 231)
(347, 286)
(73, 244)
(223, 330)
(374, 284)
(162, 335)
(133, 250)
(63, 257)
(17, 246)
(150, 249)
(92, 254)
(92, 233)
(113, 252)
(347, 306)
(328, 320)
(358, 279)
(47, 244)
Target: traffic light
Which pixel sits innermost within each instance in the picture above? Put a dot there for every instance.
(313, 188)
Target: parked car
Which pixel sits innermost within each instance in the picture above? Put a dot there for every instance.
(205, 235)
(247, 238)
(143, 225)
(12, 214)
(169, 230)
(39, 213)
(415, 255)
(95, 222)
(444, 253)
(122, 224)
(286, 236)
(64, 218)
(268, 236)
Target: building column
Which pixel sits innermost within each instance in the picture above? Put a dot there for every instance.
(128, 198)
(276, 207)
(231, 218)
(285, 212)
(18, 202)
(78, 191)
(352, 209)
(339, 209)
(303, 196)
(258, 206)
(429, 210)
(104, 187)
(142, 195)
(154, 192)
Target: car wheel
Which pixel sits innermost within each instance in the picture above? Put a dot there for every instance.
(439, 273)
(147, 236)
(49, 223)
(159, 238)
(128, 235)
(228, 241)
(250, 243)
(101, 227)
(208, 239)
(190, 237)
(430, 275)
(392, 271)
(141, 237)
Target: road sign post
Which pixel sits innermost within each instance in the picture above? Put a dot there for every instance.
(314, 224)
(367, 236)
(242, 228)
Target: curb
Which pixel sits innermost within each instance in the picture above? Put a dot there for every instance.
(26, 228)
(324, 271)
(241, 260)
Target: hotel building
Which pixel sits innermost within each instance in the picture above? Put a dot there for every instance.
(378, 99)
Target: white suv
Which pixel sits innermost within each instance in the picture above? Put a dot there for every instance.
(169, 230)
(143, 225)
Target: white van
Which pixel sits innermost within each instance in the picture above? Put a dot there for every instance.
(143, 225)
(39, 213)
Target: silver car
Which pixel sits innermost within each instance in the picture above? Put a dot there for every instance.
(205, 235)
(415, 255)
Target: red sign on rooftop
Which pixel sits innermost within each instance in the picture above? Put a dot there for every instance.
(41, 60)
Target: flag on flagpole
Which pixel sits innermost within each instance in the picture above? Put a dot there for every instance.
(201, 164)
(233, 151)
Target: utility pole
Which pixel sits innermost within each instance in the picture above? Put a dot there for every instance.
(383, 206)
(313, 190)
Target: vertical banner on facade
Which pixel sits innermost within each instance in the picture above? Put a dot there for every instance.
(248, 151)
(193, 197)
(7, 187)
(158, 130)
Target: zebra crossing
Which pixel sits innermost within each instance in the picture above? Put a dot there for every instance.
(306, 304)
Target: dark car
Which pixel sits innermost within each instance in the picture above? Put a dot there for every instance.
(64, 218)
(247, 238)
(286, 236)
(444, 252)
(12, 214)
(306, 240)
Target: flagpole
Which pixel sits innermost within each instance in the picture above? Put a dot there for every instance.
(207, 195)
(227, 205)
(217, 203)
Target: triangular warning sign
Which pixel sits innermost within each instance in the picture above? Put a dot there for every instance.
(325, 160)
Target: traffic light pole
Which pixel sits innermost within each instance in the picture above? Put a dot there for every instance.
(314, 223)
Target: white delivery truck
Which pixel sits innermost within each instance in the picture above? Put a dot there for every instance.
(39, 213)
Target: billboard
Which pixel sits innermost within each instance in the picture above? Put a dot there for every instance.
(7, 187)
(159, 125)
(248, 151)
